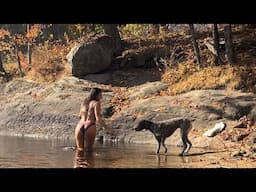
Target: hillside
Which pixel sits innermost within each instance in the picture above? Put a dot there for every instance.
(141, 82)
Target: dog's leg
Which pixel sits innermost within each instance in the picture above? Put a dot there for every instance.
(163, 140)
(159, 144)
(158, 149)
(189, 145)
(184, 140)
(186, 137)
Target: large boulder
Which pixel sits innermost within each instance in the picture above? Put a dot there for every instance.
(91, 57)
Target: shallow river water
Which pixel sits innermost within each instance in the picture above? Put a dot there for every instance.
(19, 152)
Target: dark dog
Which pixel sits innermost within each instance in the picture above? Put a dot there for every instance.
(165, 129)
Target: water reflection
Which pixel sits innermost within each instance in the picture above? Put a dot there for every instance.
(84, 159)
(161, 159)
(28, 152)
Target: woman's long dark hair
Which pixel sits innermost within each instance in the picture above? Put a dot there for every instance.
(92, 95)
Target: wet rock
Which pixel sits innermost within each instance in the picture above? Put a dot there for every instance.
(100, 136)
(66, 148)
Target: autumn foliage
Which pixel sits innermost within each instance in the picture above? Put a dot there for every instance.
(181, 72)
(188, 77)
(48, 63)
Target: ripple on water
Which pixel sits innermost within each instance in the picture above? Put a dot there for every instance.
(18, 152)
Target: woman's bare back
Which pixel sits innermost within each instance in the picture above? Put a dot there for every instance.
(91, 112)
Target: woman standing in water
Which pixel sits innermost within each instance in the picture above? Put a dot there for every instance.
(90, 113)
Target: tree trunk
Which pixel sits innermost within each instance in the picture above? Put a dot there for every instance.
(91, 27)
(195, 45)
(111, 30)
(2, 71)
(18, 59)
(216, 41)
(163, 27)
(29, 50)
(58, 31)
(229, 45)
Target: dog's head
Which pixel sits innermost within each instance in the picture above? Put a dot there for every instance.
(141, 124)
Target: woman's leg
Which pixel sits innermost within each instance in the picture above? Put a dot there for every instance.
(90, 137)
(79, 136)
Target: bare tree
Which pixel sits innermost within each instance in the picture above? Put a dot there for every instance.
(18, 59)
(195, 44)
(111, 30)
(29, 49)
(229, 45)
(3, 73)
(216, 41)
(1, 65)
(154, 28)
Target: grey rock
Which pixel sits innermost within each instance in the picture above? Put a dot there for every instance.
(92, 57)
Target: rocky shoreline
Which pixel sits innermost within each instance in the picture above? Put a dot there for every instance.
(50, 110)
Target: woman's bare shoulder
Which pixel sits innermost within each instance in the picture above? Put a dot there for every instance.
(94, 103)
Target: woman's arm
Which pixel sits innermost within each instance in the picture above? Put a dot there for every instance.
(83, 111)
(97, 111)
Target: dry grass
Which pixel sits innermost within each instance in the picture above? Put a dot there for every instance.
(13, 69)
(48, 63)
(188, 77)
